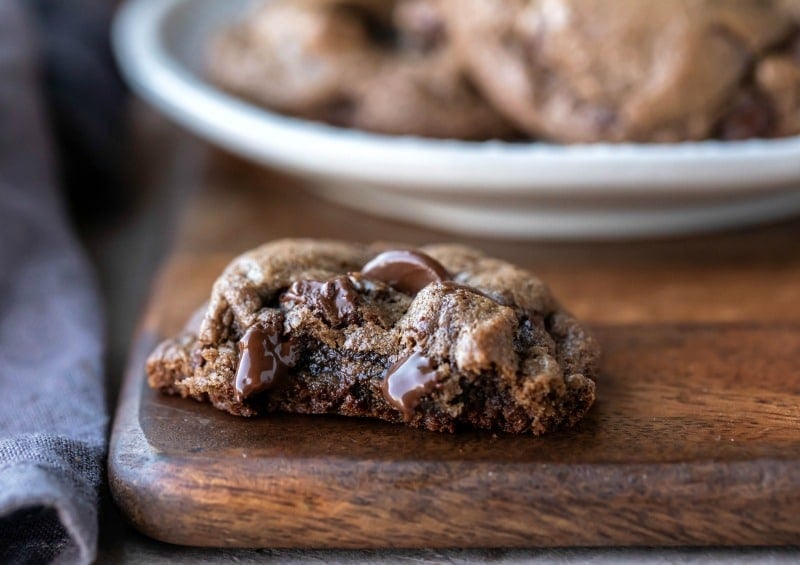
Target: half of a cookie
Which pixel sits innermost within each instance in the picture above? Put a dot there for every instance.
(439, 337)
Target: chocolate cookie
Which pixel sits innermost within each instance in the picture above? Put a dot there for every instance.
(770, 105)
(439, 337)
(627, 70)
(379, 65)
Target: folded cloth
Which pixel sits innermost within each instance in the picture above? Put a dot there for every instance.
(52, 405)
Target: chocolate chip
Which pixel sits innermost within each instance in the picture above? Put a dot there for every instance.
(452, 286)
(340, 111)
(751, 116)
(405, 270)
(407, 381)
(335, 300)
(264, 360)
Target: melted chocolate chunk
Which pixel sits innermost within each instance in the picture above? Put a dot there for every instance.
(373, 21)
(264, 360)
(404, 270)
(407, 381)
(751, 116)
(340, 111)
(336, 300)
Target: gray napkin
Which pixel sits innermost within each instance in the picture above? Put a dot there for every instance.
(52, 406)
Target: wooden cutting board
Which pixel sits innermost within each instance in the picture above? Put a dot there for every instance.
(694, 439)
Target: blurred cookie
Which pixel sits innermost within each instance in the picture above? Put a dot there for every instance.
(382, 65)
(622, 70)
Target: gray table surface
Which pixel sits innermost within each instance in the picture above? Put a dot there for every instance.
(127, 252)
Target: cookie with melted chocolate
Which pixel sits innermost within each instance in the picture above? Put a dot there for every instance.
(440, 337)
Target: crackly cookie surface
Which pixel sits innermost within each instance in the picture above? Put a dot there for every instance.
(439, 337)
(627, 70)
(378, 65)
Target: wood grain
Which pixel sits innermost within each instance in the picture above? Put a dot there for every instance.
(694, 439)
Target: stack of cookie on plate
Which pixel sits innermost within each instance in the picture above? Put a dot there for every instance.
(559, 70)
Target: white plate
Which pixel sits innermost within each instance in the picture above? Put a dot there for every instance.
(547, 189)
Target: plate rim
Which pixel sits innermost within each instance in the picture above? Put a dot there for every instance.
(569, 225)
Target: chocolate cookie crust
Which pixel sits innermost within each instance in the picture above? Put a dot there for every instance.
(440, 337)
